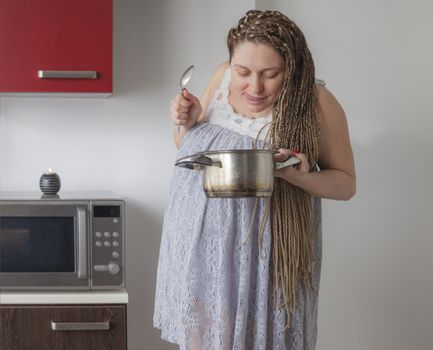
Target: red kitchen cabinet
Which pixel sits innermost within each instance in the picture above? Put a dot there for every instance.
(52, 46)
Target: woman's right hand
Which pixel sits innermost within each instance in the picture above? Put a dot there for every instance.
(185, 109)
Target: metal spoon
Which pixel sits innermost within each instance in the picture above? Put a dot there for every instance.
(184, 79)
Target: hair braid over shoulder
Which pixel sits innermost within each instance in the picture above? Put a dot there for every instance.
(294, 126)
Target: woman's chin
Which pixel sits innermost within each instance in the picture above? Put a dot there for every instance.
(257, 110)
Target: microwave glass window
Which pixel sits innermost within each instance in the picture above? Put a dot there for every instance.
(37, 244)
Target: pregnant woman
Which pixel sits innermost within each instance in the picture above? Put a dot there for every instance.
(220, 285)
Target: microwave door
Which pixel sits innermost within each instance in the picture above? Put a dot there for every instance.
(43, 246)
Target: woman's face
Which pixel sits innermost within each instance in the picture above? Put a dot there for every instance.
(257, 78)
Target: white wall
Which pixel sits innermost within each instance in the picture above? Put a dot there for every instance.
(123, 143)
(375, 56)
(377, 280)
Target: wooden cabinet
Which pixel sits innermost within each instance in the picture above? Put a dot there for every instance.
(63, 327)
(51, 36)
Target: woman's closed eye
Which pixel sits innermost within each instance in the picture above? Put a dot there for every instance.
(271, 74)
(243, 72)
(268, 74)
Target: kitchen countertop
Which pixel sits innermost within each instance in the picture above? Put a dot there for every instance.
(64, 297)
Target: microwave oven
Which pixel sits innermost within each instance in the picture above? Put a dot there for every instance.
(72, 241)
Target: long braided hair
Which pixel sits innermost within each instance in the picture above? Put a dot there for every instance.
(294, 126)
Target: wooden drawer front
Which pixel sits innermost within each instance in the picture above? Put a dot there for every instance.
(29, 327)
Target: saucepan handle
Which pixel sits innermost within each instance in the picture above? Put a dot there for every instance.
(197, 162)
(288, 162)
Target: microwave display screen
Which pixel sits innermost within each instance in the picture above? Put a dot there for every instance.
(106, 211)
(37, 244)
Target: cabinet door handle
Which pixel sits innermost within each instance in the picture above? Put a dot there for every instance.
(80, 326)
(67, 74)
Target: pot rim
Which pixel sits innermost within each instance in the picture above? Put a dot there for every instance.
(237, 151)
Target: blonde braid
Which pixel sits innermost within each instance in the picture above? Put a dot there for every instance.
(294, 126)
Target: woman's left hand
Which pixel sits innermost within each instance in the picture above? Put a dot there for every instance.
(293, 172)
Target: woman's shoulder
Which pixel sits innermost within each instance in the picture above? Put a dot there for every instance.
(217, 76)
(221, 69)
(330, 110)
(213, 84)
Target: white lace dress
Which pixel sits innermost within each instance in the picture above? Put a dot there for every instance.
(214, 291)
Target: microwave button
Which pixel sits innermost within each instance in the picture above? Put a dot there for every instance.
(98, 243)
(100, 268)
(115, 244)
(115, 234)
(115, 254)
(98, 234)
(115, 221)
(107, 234)
(113, 268)
(107, 244)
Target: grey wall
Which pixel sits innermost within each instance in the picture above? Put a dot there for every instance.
(123, 143)
(377, 281)
(375, 56)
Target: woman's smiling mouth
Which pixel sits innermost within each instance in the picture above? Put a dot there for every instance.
(255, 100)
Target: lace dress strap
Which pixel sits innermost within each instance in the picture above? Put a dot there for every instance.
(222, 92)
(320, 82)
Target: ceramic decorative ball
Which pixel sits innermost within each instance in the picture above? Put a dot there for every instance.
(49, 183)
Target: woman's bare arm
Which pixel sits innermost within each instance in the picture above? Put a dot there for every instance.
(337, 178)
(204, 102)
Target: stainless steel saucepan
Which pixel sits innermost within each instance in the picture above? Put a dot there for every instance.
(236, 173)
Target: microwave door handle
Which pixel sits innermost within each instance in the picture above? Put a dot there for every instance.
(82, 244)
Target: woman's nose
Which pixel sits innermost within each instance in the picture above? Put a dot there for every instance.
(256, 84)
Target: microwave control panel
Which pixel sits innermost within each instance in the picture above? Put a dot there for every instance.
(107, 244)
